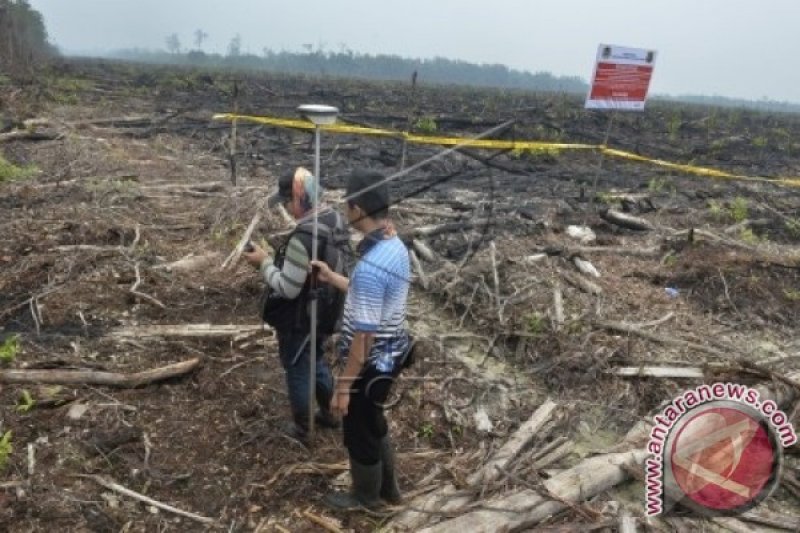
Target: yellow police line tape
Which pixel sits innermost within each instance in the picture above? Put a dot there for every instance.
(494, 144)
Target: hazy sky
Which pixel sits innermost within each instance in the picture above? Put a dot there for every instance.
(729, 47)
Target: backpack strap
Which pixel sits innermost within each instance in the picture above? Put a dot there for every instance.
(330, 246)
(335, 236)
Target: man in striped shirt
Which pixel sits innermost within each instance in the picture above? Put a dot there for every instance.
(373, 341)
(287, 276)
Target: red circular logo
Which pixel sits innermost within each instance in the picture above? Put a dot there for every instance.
(723, 458)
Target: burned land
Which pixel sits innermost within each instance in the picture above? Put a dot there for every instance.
(560, 297)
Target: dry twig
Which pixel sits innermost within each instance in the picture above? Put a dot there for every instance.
(150, 501)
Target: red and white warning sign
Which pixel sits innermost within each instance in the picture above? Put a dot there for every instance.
(621, 78)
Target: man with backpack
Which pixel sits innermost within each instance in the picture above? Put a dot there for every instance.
(289, 291)
(373, 341)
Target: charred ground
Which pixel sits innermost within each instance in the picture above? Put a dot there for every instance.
(133, 175)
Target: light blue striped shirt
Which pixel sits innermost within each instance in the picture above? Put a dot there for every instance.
(376, 303)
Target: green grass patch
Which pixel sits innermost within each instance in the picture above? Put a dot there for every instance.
(606, 198)
(716, 209)
(11, 172)
(535, 324)
(5, 449)
(656, 184)
(70, 85)
(426, 125)
(748, 236)
(426, 430)
(25, 402)
(670, 260)
(793, 227)
(9, 349)
(718, 145)
(65, 90)
(739, 209)
(792, 295)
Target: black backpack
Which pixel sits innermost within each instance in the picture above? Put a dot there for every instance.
(333, 247)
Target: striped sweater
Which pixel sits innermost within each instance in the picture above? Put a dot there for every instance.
(288, 281)
(376, 303)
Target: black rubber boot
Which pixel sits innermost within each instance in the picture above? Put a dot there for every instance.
(390, 490)
(365, 490)
(297, 429)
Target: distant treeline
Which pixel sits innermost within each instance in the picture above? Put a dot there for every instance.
(24, 44)
(349, 64)
(23, 36)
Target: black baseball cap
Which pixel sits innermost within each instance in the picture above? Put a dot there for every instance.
(284, 193)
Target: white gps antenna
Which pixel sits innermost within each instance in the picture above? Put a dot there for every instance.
(320, 115)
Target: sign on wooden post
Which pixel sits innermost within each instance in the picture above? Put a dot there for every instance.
(621, 78)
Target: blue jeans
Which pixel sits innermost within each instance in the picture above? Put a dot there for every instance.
(295, 354)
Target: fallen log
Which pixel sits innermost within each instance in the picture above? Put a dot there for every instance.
(787, 260)
(133, 290)
(622, 251)
(213, 186)
(582, 283)
(584, 234)
(117, 122)
(30, 135)
(670, 341)
(233, 259)
(626, 221)
(116, 487)
(659, 372)
(449, 227)
(513, 446)
(696, 372)
(417, 266)
(554, 456)
(530, 259)
(325, 523)
(191, 262)
(93, 377)
(789, 380)
(438, 213)
(496, 280)
(423, 250)
(546, 449)
(526, 508)
(186, 330)
(765, 517)
(627, 523)
(585, 267)
(558, 306)
(447, 499)
(87, 248)
(745, 224)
